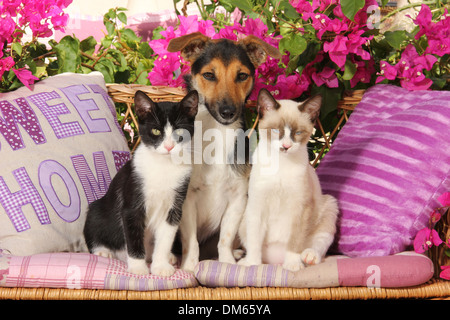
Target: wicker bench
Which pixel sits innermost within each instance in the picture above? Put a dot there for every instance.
(433, 289)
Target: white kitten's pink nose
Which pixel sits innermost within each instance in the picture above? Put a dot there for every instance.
(287, 145)
(169, 147)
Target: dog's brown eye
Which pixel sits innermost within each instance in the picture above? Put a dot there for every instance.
(242, 76)
(209, 76)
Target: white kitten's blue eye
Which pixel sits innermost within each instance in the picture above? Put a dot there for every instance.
(275, 130)
(298, 133)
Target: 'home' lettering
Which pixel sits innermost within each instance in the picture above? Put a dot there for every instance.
(27, 193)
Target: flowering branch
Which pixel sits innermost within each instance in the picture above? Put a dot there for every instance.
(429, 237)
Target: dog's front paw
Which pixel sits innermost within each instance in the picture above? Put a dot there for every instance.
(227, 257)
(310, 256)
(189, 265)
(162, 269)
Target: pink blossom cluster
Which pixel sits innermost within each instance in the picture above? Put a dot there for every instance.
(16, 15)
(410, 68)
(343, 41)
(427, 237)
(169, 67)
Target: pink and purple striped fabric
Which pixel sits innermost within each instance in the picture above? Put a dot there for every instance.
(387, 168)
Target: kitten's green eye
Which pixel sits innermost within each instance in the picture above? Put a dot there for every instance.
(156, 132)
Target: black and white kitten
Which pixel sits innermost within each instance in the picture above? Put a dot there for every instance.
(145, 197)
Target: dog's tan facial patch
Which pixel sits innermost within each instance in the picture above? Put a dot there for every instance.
(223, 84)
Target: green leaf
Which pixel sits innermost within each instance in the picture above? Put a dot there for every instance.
(395, 38)
(122, 17)
(244, 5)
(141, 74)
(110, 27)
(129, 35)
(106, 67)
(106, 42)
(289, 11)
(120, 58)
(351, 7)
(68, 54)
(88, 45)
(447, 252)
(17, 47)
(350, 70)
(145, 50)
(294, 43)
(226, 4)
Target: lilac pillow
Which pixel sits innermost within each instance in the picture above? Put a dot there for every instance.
(60, 146)
(387, 168)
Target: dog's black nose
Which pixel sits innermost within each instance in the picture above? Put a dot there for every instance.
(227, 112)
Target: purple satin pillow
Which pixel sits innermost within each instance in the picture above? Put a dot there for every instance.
(387, 167)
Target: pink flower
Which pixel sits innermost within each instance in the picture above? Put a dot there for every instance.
(337, 50)
(6, 65)
(25, 76)
(7, 27)
(444, 199)
(425, 239)
(326, 76)
(301, 6)
(445, 273)
(363, 73)
(435, 217)
(387, 72)
(423, 20)
(356, 42)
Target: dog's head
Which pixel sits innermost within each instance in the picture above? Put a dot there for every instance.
(222, 71)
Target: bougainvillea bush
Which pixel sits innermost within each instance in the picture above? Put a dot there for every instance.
(329, 46)
(429, 237)
(18, 64)
(121, 56)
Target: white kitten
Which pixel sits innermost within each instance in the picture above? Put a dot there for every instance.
(287, 219)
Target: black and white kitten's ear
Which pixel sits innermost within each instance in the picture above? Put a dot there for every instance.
(143, 104)
(266, 102)
(312, 106)
(190, 103)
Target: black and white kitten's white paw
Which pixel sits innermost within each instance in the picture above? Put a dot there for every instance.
(137, 266)
(103, 252)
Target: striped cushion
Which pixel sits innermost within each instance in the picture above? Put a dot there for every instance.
(401, 270)
(387, 168)
(82, 271)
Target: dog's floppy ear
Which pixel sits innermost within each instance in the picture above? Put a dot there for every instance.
(258, 50)
(190, 45)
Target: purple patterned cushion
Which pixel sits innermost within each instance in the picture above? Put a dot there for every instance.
(400, 270)
(60, 146)
(387, 168)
